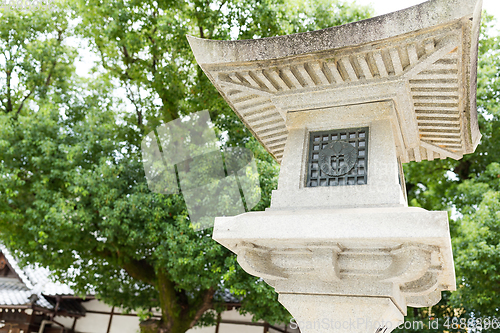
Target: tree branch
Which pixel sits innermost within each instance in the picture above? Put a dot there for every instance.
(103, 58)
(8, 72)
(47, 81)
(22, 103)
(205, 305)
(140, 270)
(127, 56)
(210, 34)
(130, 96)
(153, 70)
(54, 63)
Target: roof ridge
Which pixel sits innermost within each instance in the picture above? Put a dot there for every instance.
(12, 262)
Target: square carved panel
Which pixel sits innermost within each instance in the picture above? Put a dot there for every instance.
(338, 157)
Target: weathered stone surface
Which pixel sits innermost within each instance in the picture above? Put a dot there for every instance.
(382, 189)
(320, 314)
(398, 252)
(422, 58)
(332, 266)
(355, 254)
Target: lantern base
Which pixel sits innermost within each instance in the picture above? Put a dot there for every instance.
(322, 313)
(345, 264)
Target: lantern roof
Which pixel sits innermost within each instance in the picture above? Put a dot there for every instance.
(421, 60)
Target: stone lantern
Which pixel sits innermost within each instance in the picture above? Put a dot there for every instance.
(341, 109)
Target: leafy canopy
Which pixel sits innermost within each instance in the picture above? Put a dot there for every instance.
(73, 195)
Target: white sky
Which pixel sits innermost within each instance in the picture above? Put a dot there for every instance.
(386, 6)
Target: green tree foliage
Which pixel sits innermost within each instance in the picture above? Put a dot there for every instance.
(477, 244)
(470, 190)
(73, 195)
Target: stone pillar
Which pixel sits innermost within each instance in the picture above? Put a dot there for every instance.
(342, 109)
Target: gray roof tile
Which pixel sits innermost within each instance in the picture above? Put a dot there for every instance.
(34, 280)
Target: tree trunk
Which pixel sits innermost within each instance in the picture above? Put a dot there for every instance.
(173, 310)
(156, 326)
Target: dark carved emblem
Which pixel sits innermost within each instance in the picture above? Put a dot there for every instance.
(330, 158)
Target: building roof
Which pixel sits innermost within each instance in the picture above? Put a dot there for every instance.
(31, 286)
